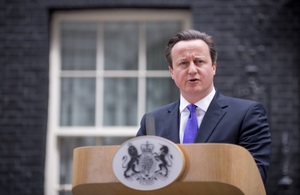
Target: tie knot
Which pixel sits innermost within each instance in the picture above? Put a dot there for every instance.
(192, 107)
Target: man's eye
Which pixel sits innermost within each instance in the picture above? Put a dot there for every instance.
(199, 62)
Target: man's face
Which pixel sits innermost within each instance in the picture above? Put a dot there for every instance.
(192, 71)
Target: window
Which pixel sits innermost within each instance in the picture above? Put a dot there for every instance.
(105, 67)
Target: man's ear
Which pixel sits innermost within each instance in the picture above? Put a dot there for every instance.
(214, 66)
(171, 71)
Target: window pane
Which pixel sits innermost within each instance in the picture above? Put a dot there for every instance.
(157, 36)
(78, 45)
(121, 45)
(120, 102)
(68, 144)
(160, 91)
(65, 193)
(77, 102)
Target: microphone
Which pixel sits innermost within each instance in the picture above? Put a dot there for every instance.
(150, 124)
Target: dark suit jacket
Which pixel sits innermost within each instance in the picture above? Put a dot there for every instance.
(227, 120)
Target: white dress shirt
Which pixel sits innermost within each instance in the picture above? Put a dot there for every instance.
(201, 109)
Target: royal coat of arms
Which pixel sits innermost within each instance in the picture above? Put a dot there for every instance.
(149, 165)
(148, 161)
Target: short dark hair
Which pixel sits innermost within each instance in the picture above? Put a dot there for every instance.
(191, 35)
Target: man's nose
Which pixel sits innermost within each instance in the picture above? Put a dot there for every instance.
(192, 68)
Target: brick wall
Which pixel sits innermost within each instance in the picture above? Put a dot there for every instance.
(257, 41)
(23, 96)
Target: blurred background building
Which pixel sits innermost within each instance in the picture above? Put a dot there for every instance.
(82, 72)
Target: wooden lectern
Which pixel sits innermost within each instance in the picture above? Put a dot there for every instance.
(211, 169)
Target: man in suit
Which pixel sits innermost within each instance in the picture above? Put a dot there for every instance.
(192, 57)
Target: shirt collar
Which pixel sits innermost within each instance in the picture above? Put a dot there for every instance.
(202, 104)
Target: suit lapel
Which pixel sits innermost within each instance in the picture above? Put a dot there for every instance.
(212, 117)
(171, 123)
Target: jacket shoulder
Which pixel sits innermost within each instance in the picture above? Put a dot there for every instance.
(166, 108)
(228, 100)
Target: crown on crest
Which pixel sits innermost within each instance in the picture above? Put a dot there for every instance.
(147, 147)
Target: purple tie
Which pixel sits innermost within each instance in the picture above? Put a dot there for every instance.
(191, 125)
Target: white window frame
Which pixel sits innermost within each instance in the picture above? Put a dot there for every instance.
(55, 131)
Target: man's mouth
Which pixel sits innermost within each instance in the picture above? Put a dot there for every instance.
(193, 80)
